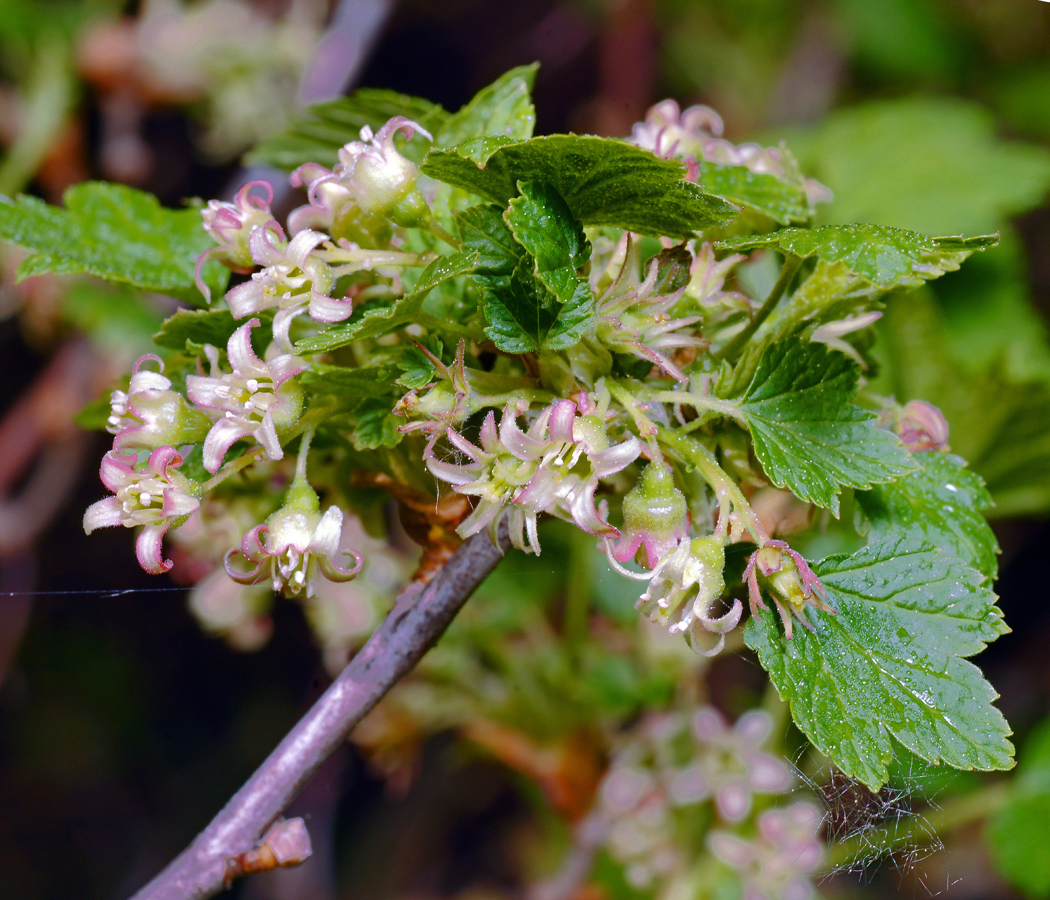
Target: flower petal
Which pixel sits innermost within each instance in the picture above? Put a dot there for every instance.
(148, 546)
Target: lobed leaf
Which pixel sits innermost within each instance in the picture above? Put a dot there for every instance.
(885, 257)
(808, 435)
(502, 109)
(890, 662)
(604, 181)
(116, 233)
(941, 502)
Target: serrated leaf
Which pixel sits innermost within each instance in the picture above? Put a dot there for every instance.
(889, 663)
(199, 326)
(317, 134)
(808, 434)
(1020, 832)
(941, 502)
(543, 224)
(377, 319)
(885, 257)
(115, 233)
(502, 109)
(485, 234)
(375, 426)
(524, 315)
(604, 181)
(766, 194)
(416, 367)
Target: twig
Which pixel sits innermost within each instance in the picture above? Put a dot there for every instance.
(417, 620)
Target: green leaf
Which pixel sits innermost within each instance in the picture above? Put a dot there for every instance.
(117, 318)
(317, 134)
(545, 226)
(377, 319)
(889, 663)
(604, 181)
(935, 165)
(115, 233)
(766, 194)
(1019, 834)
(807, 432)
(199, 326)
(524, 315)
(416, 367)
(350, 384)
(941, 502)
(485, 234)
(375, 426)
(884, 257)
(503, 109)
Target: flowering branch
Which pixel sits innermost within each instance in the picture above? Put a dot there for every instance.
(419, 617)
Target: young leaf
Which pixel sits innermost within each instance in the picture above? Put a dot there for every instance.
(317, 134)
(889, 663)
(199, 326)
(807, 432)
(545, 226)
(115, 233)
(502, 109)
(941, 502)
(485, 234)
(377, 319)
(375, 426)
(524, 315)
(884, 257)
(604, 181)
(1020, 832)
(766, 194)
(350, 384)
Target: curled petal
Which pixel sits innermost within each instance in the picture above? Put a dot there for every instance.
(246, 299)
(563, 415)
(244, 575)
(325, 539)
(616, 458)
(116, 470)
(266, 434)
(147, 549)
(329, 309)
(283, 367)
(161, 458)
(103, 514)
(219, 440)
(242, 356)
(334, 572)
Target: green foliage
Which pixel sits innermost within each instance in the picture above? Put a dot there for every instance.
(502, 108)
(115, 233)
(760, 192)
(604, 181)
(379, 318)
(808, 434)
(890, 661)
(1020, 833)
(942, 502)
(932, 165)
(198, 326)
(885, 257)
(375, 426)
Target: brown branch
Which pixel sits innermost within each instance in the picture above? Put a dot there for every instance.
(418, 619)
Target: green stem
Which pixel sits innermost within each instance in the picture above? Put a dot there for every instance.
(242, 462)
(443, 235)
(919, 829)
(647, 428)
(702, 401)
(691, 450)
(732, 350)
(304, 451)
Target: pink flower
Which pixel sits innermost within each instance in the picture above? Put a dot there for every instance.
(150, 415)
(777, 862)
(292, 545)
(371, 182)
(789, 580)
(156, 497)
(554, 468)
(294, 280)
(257, 399)
(654, 516)
(922, 426)
(232, 225)
(636, 322)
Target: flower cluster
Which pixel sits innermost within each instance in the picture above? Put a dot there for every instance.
(670, 762)
(696, 134)
(554, 468)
